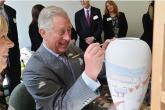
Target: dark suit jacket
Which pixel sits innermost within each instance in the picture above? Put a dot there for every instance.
(14, 70)
(148, 30)
(108, 28)
(53, 85)
(84, 30)
(34, 35)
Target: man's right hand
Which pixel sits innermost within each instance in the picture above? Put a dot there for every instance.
(94, 56)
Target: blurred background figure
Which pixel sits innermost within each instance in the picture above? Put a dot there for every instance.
(13, 70)
(114, 22)
(34, 35)
(73, 35)
(88, 22)
(148, 25)
(148, 37)
(5, 44)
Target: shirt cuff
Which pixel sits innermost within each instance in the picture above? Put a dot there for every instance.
(93, 85)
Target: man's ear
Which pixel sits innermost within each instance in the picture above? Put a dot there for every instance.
(42, 33)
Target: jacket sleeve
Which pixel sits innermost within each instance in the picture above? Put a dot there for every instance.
(97, 33)
(73, 34)
(51, 93)
(124, 25)
(78, 26)
(52, 96)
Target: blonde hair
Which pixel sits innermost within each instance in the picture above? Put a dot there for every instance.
(3, 25)
(111, 2)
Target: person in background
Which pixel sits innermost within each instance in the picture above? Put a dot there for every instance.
(55, 75)
(35, 36)
(88, 22)
(73, 35)
(5, 45)
(148, 25)
(13, 70)
(114, 22)
(148, 38)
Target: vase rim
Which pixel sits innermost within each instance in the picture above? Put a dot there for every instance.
(129, 38)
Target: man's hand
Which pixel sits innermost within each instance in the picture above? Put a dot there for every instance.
(106, 43)
(94, 56)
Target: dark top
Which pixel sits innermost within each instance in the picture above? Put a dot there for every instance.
(73, 34)
(14, 69)
(108, 26)
(85, 30)
(34, 35)
(148, 29)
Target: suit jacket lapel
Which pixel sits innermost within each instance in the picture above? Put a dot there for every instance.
(84, 18)
(91, 18)
(57, 66)
(76, 64)
(9, 14)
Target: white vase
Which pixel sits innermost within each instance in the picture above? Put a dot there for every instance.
(128, 68)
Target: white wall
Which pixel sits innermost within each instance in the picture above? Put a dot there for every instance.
(132, 9)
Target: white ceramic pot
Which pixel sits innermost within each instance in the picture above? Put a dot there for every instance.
(128, 68)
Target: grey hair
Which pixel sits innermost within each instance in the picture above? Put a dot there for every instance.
(45, 19)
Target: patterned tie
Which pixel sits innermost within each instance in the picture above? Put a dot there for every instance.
(88, 17)
(63, 58)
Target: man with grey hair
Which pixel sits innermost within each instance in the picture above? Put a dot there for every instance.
(55, 74)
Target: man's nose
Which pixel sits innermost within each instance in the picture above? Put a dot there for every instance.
(67, 35)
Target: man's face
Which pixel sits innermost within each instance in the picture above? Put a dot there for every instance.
(2, 2)
(85, 3)
(58, 38)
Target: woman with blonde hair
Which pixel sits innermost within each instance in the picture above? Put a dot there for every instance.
(114, 22)
(5, 44)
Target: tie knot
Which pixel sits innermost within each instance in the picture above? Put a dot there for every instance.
(62, 57)
(87, 12)
(62, 54)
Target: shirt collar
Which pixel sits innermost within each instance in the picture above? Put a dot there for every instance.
(49, 50)
(85, 9)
